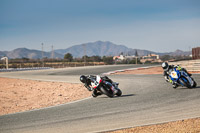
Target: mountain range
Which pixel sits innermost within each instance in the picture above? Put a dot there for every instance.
(99, 48)
(28, 53)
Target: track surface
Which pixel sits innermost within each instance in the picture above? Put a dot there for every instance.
(146, 99)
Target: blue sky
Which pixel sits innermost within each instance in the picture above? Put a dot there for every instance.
(157, 25)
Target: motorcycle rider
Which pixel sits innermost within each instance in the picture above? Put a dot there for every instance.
(166, 67)
(91, 78)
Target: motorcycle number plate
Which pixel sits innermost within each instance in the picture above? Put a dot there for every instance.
(94, 85)
(174, 74)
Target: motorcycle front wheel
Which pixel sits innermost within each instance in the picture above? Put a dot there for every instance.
(119, 92)
(195, 83)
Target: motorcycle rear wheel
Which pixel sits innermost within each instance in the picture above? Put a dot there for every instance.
(106, 91)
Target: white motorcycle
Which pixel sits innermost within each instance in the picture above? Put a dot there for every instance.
(103, 85)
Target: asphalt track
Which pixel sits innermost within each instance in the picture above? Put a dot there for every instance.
(146, 99)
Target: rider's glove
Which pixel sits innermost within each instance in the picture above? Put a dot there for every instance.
(90, 89)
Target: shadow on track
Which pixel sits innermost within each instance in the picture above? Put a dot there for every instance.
(128, 95)
(198, 87)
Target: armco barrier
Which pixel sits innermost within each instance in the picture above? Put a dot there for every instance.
(24, 69)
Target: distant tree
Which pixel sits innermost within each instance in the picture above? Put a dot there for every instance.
(136, 53)
(25, 58)
(133, 61)
(96, 58)
(68, 57)
(78, 60)
(108, 60)
(85, 58)
(166, 57)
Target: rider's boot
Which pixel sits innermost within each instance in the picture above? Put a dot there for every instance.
(95, 93)
(174, 84)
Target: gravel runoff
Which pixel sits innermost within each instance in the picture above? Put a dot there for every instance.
(181, 126)
(17, 95)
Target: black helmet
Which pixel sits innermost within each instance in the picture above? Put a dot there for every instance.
(83, 79)
(165, 65)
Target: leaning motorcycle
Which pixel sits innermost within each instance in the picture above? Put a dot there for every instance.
(181, 78)
(105, 87)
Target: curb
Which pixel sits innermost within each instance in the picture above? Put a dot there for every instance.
(24, 69)
(123, 70)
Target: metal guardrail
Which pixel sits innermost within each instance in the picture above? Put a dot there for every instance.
(24, 69)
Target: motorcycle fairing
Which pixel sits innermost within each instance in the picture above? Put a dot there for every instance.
(187, 77)
(96, 82)
(175, 75)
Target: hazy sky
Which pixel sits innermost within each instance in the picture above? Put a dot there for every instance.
(157, 25)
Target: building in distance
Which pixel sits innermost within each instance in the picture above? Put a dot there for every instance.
(196, 53)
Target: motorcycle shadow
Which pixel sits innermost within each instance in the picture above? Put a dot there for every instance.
(179, 88)
(198, 87)
(128, 95)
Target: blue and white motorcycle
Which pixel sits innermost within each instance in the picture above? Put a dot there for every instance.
(181, 78)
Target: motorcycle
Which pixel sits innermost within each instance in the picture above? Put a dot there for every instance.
(181, 78)
(105, 87)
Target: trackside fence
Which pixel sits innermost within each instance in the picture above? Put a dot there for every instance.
(190, 65)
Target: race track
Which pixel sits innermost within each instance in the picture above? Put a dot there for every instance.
(146, 99)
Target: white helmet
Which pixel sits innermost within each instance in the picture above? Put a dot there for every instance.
(165, 65)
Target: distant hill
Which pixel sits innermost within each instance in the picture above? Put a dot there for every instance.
(107, 48)
(99, 48)
(27, 53)
(180, 52)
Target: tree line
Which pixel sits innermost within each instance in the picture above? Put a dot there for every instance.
(106, 59)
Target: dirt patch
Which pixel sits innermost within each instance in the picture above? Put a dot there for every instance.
(18, 95)
(182, 126)
(151, 70)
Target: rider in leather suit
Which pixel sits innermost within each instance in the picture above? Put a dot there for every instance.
(87, 83)
(166, 67)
